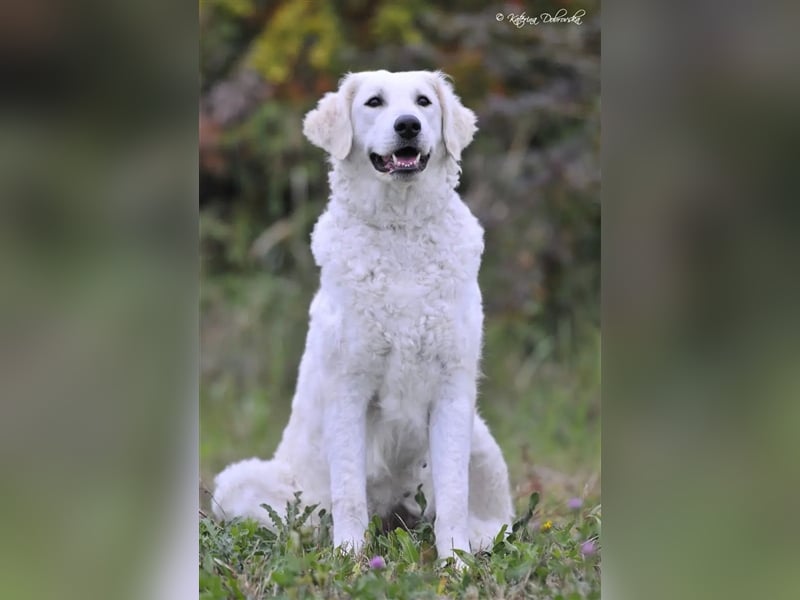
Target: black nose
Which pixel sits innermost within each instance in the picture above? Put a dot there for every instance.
(407, 126)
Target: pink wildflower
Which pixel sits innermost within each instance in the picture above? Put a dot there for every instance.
(588, 547)
(574, 503)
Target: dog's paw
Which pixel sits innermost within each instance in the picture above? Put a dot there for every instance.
(458, 560)
(349, 541)
(451, 539)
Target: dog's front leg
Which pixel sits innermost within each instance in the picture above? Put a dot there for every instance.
(450, 441)
(345, 440)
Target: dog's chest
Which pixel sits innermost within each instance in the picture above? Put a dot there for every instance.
(408, 289)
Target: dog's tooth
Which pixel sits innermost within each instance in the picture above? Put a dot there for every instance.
(419, 155)
(394, 158)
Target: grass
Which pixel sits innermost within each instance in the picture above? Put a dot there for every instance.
(541, 404)
(554, 559)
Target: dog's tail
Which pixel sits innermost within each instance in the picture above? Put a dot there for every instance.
(242, 488)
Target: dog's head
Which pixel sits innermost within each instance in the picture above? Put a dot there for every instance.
(396, 122)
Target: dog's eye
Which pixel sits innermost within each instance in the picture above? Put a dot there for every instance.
(423, 101)
(374, 102)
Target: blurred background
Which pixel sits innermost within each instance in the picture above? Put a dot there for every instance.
(531, 176)
(98, 188)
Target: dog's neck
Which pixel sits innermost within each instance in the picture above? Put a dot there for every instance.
(391, 204)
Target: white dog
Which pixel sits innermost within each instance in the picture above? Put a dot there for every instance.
(385, 398)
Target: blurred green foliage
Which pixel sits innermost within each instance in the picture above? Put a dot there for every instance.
(531, 176)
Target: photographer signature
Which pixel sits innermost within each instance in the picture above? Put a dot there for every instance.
(522, 19)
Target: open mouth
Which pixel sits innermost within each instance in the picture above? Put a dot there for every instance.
(403, 160)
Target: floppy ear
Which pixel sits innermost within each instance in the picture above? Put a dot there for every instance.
(328, 126)
(458, 122)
